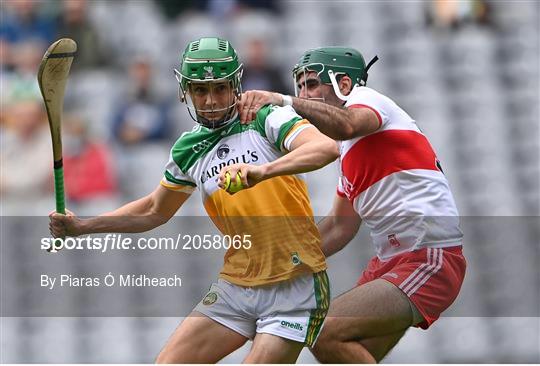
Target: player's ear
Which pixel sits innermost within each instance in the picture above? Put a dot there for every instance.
(345, 85)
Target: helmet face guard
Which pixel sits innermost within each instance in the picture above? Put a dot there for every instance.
(189, 88)
(210, 72)
(330, 62)
(300, 71)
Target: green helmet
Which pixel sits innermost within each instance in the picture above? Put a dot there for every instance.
(329, 62)
(209, 60)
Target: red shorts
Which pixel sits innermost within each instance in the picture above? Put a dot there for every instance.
(430, 277)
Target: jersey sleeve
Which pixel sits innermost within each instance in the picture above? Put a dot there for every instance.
(174, 179)
(281, 125)
(363, 97)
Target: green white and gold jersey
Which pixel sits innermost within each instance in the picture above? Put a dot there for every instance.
(276, 212)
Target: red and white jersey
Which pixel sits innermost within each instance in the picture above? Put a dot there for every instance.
(395, 183)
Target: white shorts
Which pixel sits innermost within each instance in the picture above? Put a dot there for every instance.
(294, 309)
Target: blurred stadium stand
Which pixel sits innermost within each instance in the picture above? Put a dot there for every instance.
(473, 89)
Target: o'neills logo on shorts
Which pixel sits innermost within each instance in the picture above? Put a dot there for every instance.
(296, 326)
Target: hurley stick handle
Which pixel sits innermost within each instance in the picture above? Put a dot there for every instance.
(59, 187)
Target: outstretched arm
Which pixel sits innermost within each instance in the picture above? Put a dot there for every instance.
(339, 227)
(138, 216)
(337, 123)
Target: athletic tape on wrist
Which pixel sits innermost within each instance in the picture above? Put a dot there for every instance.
(286, 100)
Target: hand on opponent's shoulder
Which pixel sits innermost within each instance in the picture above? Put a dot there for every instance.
(253, 100)
(336, 122)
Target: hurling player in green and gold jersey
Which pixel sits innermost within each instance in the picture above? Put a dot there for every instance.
(274, 291)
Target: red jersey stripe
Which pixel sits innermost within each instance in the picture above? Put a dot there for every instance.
(383, 153)
(368, 107)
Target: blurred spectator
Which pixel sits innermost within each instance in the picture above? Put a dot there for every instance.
(5, 56)
(26, 141)
(269, 5)
(224, 8)
(455, 13)
(143, 117)
(171, 9)
(259, 73)
(73, 23)
(217, 8)
(19, 81)
(26, 159)
(21, 21)
(88, 168)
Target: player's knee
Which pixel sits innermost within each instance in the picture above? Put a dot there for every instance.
(321, 353)
(324, 348)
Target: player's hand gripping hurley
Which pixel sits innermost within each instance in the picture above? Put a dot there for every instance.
(52, 77)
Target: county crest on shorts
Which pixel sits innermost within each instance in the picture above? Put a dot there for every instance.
(210, 298)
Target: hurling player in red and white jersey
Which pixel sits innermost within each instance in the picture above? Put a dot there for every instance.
(390, 179)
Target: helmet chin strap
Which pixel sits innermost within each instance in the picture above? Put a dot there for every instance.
(336, 86)
(228, 118)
